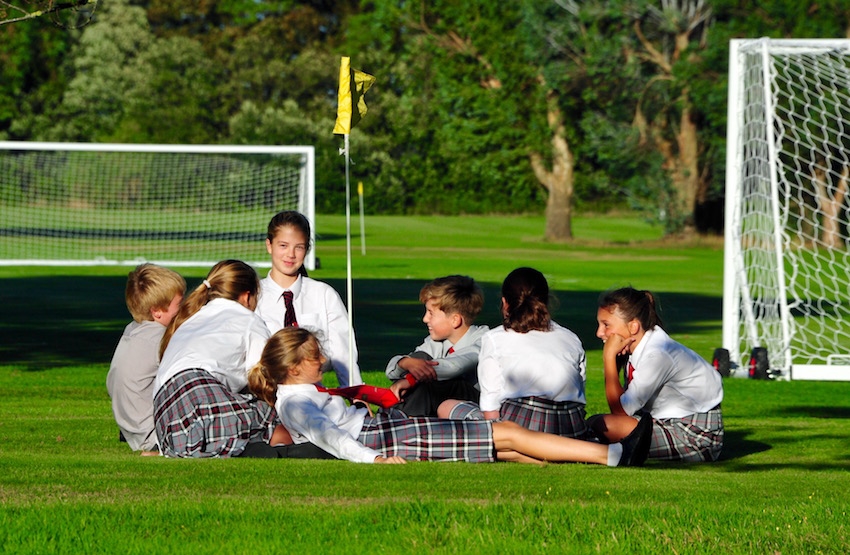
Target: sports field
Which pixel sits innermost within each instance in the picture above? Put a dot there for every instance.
(67, 485)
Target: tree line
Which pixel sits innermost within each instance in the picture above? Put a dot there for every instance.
(479, 106)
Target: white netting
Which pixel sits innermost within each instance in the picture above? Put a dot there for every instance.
(790, 226)
(121, 204)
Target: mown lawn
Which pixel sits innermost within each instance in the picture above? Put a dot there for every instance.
(67, 484)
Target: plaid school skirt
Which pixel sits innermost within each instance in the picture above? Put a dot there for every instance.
(563, 418)
(196, 416)
(393, 433)
(695, 438)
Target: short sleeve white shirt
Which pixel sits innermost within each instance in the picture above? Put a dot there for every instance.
(223, 337)
(669, 380)
(549, 364)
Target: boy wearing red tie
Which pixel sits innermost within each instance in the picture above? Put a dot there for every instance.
(445, 364)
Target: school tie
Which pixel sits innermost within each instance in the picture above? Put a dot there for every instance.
(289, 320)
(630, 371)
(450, 351)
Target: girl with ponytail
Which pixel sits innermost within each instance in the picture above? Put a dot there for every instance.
(199, 407)
(677, 387)
(531, 370)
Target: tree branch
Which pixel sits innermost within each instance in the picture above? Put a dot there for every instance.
(49, 8)
(453, 42)
(654, 55)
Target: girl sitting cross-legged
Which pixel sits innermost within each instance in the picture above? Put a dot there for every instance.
(287, 374)
(673, 384)
(531, 370)
(207, 349)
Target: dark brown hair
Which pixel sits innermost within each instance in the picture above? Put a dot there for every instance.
(633, 305)
(526, 295)
(290, 218)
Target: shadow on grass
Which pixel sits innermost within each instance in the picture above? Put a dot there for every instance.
(812, 411)
(75, 320)
(736, 445)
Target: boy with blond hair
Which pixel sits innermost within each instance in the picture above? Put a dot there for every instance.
(153, 296)
(445, 364)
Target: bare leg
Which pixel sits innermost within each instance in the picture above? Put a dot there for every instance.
(613, 427)
(513, 456)
(446, 407)
(509, 436)
(280, 436)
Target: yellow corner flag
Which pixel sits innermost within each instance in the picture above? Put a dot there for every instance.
(351, 106)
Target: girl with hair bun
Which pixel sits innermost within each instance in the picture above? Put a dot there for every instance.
(207, 350)
(678, 388)
(531, 370)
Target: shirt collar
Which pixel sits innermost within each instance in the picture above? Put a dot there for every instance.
(277, 290)
(636, 354)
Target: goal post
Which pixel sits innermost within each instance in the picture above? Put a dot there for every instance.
(787, 218)
(123, 204)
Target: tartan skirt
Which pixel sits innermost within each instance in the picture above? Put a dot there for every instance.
(393, 433)
(195, 415)
(563, 418)
(694, 438)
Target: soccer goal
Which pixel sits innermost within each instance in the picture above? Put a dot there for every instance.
(787, 242)
(122, 204)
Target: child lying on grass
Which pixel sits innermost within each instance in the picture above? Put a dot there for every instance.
(291, 366)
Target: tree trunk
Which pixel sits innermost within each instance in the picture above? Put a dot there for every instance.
(687, 176)
(559, 182)
(830, 200)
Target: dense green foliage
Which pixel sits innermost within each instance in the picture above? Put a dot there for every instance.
(461, 101)
(67, 485)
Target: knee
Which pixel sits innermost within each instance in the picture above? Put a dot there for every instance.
(597, 423)
(506, 428)
(445, 408)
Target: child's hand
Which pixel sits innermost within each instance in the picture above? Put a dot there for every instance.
(616, 345)
(422, 370)
(390, 460)
(399, 386)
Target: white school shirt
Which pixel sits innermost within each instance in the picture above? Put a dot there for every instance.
(670, 380)
(223, 337)
(318, 308)
(130, 382)
(549, 364)
(323, 420)
(462, 362)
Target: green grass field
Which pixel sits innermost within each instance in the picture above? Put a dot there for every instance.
(67, 485)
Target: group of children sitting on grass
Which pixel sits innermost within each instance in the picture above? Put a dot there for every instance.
(234, 369)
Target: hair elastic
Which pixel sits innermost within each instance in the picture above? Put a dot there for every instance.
(207, 283)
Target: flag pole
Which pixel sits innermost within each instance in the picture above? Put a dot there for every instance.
(351, 106)
(362, 219)
(349, 289)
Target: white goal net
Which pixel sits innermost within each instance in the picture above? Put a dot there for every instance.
(787, 263)
(122, 204)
